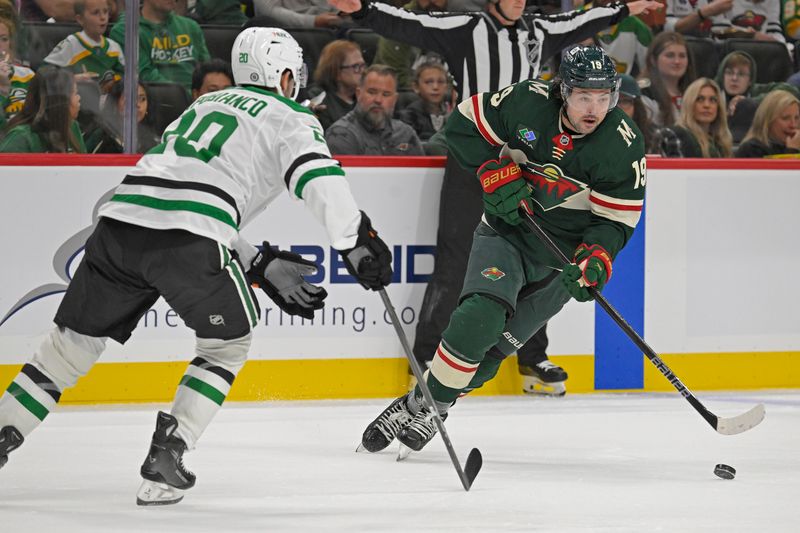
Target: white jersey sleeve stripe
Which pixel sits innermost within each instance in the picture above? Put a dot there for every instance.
(626, 212)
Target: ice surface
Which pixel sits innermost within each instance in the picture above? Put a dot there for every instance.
(608, 463)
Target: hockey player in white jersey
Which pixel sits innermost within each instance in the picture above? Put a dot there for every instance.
(172, 229)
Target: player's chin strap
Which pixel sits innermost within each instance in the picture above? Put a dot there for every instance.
(565, 117)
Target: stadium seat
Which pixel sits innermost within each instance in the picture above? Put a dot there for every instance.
(167, 102)
(219, 40)
(42, 37)
(367, 40)
(705, 56)
(772, 58)
(312, 40)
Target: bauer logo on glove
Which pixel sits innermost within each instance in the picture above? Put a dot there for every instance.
(503, 190)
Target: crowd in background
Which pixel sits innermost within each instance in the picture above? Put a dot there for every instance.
(690, 78)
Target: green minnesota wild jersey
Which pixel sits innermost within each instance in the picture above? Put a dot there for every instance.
(585, 188)
(80, 53)
(20, 79)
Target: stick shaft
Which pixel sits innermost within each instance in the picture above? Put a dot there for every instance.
(662, 367)
(426, 392)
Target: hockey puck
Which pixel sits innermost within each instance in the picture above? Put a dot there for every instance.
(725, 471)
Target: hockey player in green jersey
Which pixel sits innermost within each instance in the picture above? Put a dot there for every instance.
(572, 159)
(171, 229)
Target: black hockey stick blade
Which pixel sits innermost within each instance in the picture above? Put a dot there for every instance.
(725, 426)
(466, 480)
(473, 466)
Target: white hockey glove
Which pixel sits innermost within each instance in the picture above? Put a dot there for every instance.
(280, 275)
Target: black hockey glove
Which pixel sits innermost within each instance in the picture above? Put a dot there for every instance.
(280, 275)
(370, 260)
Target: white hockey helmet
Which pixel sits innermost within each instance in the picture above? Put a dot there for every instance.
(261, 55)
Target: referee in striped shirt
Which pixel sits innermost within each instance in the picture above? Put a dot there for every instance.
(484, 51)
(488, 50)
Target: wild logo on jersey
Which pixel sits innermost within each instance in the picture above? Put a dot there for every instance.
(549, 186)
(165, 49)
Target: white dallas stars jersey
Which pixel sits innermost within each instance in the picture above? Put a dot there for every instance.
(227, 157)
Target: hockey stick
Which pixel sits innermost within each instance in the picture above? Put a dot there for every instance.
(474, 459)
(725, 426)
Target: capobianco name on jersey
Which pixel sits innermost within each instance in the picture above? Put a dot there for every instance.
(252, 105)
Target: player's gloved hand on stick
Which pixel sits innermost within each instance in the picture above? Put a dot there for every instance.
(280, 275)
(503, 189)
(370, 260)
(591, 267)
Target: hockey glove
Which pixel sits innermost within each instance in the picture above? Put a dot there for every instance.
(591, 267)
(503, 189)
(280, 275)
(370, 260)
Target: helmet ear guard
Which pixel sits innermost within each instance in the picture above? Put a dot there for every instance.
(589, 67)
(260, 56)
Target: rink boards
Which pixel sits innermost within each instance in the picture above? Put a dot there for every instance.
(718, 252)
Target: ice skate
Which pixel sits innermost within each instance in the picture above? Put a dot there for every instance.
(165, 477)
(417, 433)
(382, 431)
(544, 379)
(10, 440)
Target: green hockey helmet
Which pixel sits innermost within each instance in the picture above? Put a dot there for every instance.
(588, 67)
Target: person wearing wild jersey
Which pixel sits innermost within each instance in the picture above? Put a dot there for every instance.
(568, 156)
(171, 229)
(88, 52)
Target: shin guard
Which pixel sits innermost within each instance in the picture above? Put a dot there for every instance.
(206, 384)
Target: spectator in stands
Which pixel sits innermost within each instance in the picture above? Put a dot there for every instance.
(790, 19)
(702, 129)
(775, 129)
(669, 70)
(169, 45)
(210, 76)
(428, 113)
(42, 10)
(87, 52)
(299, 13)
(759, 19)
(625, 42)
(338, 74)
(402, 56)
(47, 121)
(630, 101)
(228, 12)
(736, 76)
(14, 78)
(105, 135)
(369, 129)
(693, 17)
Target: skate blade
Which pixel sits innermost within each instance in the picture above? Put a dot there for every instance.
(361, 448)
(152, 493)
(538, 388)
(403, 452)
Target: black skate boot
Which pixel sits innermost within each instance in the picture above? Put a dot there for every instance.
(543, 378)
(381, 431)
(10, 440)
(165, 477)
(419, 432)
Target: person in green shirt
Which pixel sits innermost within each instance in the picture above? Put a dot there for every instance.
(47, 120)
(169, 45)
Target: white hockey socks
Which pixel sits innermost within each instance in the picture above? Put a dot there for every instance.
(63, 357)
(206, 384)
